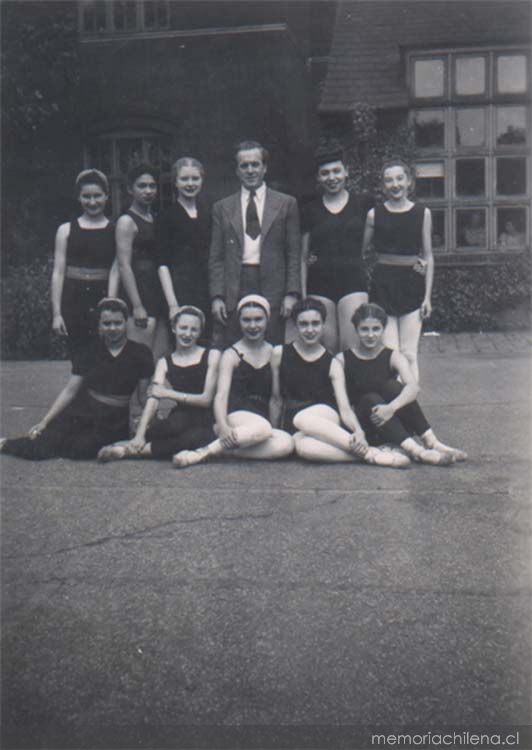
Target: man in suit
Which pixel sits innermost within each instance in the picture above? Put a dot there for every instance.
(255, 248)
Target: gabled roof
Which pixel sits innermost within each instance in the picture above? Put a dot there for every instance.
(370, 37)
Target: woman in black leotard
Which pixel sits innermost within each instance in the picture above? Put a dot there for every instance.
(190, 373)
(333, 230)
(136, 255)
(83, 270)
(307, 374)
(245, 397)
(372, 396)
(92, 409)
(183, 237)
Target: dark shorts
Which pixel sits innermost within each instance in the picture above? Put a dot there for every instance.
(397, 289)
(336, 280)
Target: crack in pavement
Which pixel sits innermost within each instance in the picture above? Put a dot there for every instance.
(141, 533)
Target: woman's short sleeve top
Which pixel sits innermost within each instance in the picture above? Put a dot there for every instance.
(144, 246)
(91, 248)
(190, 378)
(399, 233)
(340, 235)
(110, 375)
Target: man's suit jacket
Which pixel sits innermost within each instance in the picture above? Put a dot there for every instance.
(280, 254)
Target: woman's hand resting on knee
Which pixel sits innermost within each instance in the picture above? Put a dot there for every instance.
(227, 436)
(381, 414)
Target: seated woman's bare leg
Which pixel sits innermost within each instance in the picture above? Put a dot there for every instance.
(279, 445)
(322, 422)
(249, 430)
(312, 449)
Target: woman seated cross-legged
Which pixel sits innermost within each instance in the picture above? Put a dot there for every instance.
(244, 399)
(308, 376)
(372, 396)
(93, 408)
(188, 378)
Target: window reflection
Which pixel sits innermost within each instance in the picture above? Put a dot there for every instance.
(470, 177)
(471, 228)
(438, 230)
(511, 228)
(511, 74)
(429, 77)
(511, 176)
(429, 129)
(470, 127)
(430, 180)
(511, 125)
(470, 76)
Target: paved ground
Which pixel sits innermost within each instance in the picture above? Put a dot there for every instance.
(137, 598)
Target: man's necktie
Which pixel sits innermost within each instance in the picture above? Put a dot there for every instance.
(252, 218)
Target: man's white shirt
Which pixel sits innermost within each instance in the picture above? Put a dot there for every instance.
(251, 254)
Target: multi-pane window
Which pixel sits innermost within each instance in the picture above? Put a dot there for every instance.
(99, 16)
(470, 117)
(115, 154)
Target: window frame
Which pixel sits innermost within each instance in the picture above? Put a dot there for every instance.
(117, 176)
(110, 27)
(490, 102)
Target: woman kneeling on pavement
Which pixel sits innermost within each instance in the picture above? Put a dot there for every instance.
(245, 401)
(309, 377)
(372, 396)
(188, 378)
(92, 410)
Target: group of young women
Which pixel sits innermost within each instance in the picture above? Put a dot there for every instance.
(253, 400)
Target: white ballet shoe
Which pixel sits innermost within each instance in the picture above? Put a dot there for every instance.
(187, 458)
(386, 457)
(456, 453)
(3, 441)
(113, 453)
(432, 457)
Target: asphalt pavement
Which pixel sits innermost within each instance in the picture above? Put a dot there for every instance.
(245, 604)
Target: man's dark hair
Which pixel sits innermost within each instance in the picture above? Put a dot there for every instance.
(248, 146)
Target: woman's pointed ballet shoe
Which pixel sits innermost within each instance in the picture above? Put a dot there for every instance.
(386, 457)
(3, 441)
(112, 453)
(433, 457)
(456, 453)
(187, 458)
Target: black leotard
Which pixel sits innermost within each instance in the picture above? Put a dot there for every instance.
(186, 427)
(90, 249)
(304, 383)
(183, 246)
(335, 247)
(398, 289)
(366, 375)
(187, 378)
(144, 265)
(251, 387)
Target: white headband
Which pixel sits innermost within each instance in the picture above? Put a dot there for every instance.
(254, 299)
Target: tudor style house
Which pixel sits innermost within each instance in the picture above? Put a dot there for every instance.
(459, 72)
(163, 79)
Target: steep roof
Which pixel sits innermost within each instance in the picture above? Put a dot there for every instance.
(370, 37)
